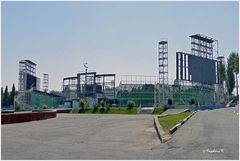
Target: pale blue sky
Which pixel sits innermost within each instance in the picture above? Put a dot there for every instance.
(113, 37)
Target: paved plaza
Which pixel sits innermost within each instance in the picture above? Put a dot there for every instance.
(209, 134)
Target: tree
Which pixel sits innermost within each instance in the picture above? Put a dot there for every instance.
(222, 72)
(1, 96)
(130, 104)
(230, 81)
(192, 101)
(233, 67)
(5, 97)
(12, 95)
(169, 102)
(83, 103)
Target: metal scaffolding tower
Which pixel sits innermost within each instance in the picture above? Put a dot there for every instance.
(204, 46)
(163, 61)
(27, 81)
(45, 82)
(161, 91)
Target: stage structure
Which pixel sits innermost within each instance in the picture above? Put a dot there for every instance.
(91, 86)
(197, 75)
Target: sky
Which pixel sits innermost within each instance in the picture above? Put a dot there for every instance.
(113, 37)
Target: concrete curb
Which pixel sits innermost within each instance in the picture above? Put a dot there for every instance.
(161, 134)
(173, 129)
(174, 113)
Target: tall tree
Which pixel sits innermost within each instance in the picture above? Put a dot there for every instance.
(12, 95)
(1, 96)
(230, 81)
(5, 97)
(233, 67)
(222, 72)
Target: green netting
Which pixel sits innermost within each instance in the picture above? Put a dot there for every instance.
(40, 100)
(203, 96)
(143, 96)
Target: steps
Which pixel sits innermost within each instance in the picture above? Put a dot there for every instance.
(146, 110)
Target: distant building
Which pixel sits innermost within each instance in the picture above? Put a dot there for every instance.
(27, 81)
(27, 76)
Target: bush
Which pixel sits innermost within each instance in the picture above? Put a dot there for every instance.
(75, 110)
(95, 108)
(192, 101)
(130, 104)
(169, 102)
(44, 106)
(102, 110)
(18, 107)
(83, 103)
(108, 107)
(102, 103)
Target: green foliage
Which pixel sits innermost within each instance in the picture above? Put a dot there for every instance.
(192, 101)
(5, 97)
(102, 103)
(95, 108)
(231, 81)
(233, 67)
(44, 106)
(222, 71)
(169, 102)
(108, 107)
(169, 121)
(159, 110)
(83, 103)
(122, 111)
(233, 62)
(1, 96)
(130, 104)
(12, 95)
(102, 110)
(75, 110)
(17, 108)
(112, 110)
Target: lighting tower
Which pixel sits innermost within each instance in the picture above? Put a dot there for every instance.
(163, 61)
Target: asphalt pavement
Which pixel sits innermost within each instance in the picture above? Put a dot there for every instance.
(209, 134)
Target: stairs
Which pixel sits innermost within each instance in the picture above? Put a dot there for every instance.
(146, 110)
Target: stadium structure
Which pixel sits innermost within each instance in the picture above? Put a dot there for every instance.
(197, 80)
(197, 77)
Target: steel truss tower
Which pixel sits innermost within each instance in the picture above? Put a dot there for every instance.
(163, 62)
(161, 91)
(45, 82)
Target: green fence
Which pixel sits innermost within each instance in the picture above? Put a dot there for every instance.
(145, 96)
(183, 96)
(39, 99)
(142, 96)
